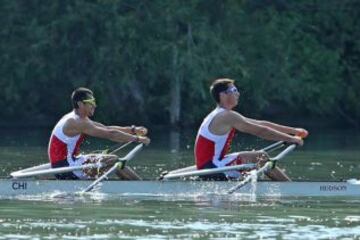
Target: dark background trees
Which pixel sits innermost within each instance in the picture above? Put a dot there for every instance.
(151, 62)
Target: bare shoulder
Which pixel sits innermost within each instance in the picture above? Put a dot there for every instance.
(232, 116)
(77, 126)
(224, 121)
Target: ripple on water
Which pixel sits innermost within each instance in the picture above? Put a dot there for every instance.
(207, 217)
(352, 218)
(265, 227)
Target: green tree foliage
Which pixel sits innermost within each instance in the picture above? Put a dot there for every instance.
(145, 58)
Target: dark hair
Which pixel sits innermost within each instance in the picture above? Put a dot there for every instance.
(80, 94)
(218, 86)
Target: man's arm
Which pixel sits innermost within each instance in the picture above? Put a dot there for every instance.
(242, 124)
(281, 128)
(99, 130)
(142, 131)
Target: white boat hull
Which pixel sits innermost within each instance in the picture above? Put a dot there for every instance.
(9, 187)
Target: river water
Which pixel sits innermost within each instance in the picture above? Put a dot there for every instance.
(327, 155)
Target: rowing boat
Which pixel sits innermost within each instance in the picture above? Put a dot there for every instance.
(176, 182)
(16, 187)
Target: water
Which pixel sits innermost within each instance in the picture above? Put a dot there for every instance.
(187, 218)
(330, 156)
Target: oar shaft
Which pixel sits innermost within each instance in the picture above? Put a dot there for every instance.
(97, 181)
(191, 171)
(22, 174)
(45, 169)
(203, 172)
(273, 146)
(263, 169)
(284, 153)
(119, 148)
(36, 168)
(123, 161)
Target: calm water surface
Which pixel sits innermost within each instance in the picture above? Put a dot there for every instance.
(331, 155)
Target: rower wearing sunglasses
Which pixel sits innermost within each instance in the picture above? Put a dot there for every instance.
(70, 131)
(217, 130)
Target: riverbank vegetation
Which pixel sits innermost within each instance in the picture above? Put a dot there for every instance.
(152, 61)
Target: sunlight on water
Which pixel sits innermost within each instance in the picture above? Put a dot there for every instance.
(158, 226)
(254, 178)
(105, 216)
(95, 215)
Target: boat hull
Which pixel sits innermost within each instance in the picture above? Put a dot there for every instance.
(279, 189)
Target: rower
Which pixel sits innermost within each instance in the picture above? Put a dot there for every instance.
(70, 131)
(217, 130)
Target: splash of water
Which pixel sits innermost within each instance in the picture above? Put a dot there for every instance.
(253, 177)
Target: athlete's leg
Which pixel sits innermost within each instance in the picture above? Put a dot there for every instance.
(259, 158)
(277, 174)
(239, 158)
(127, 174)
(109, 160)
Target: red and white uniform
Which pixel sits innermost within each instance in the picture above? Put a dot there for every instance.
(211, 148)
(63, 147)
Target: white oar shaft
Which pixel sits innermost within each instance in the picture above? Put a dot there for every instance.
(185, 169)
(97, 181)
(119, 148)
(132, 153)
(191, 171)
(46, 169)
(284, 153)
(22, 174)
(203, 172)
(263, 169)
(273, 146)
(123, 161)
(36, 168)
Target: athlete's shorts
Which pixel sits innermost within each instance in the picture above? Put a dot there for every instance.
(215, 176)
(78, 174)
(230, 160)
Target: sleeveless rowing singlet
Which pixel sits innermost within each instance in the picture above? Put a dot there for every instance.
(211, 148)
(62, 147)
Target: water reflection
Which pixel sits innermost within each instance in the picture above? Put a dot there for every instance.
(174, 141)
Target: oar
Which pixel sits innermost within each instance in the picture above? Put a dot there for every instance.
(192, 170)
(36, 168)
(27, 173)
(208, 171)
(45, 169)
(117, 149)
(267, 166)
(119, 164)
(273, 146)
